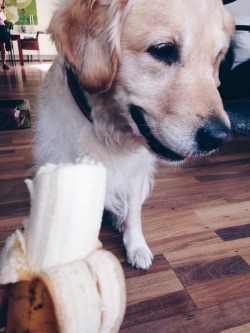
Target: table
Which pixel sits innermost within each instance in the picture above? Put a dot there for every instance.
(17, 38)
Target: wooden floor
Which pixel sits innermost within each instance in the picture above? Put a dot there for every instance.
(197, 223)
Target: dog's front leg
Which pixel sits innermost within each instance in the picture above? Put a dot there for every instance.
(138, 252)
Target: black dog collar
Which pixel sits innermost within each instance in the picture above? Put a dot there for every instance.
(78, 94)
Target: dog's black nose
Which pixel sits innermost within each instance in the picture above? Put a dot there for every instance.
(212, 136)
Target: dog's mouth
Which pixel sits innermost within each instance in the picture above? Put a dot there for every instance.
(153, 143)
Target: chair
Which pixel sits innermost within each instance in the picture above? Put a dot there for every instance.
(32, 44)
(9, 48)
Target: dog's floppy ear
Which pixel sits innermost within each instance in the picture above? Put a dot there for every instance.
(87, 36)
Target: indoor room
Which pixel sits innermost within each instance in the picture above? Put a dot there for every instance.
(125, 166)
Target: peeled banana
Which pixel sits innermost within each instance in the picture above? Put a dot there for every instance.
(62, 280)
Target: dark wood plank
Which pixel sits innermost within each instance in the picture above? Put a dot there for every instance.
(237, 232)
(209, 320)
(14, 209)
(7, 152)
(157, 308)
(209, 271)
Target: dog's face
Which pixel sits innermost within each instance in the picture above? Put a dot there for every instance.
(171, 51)
(160, 58)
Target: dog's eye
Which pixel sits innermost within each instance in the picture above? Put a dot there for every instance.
(166, 52)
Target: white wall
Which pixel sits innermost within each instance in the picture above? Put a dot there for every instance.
(45, 9)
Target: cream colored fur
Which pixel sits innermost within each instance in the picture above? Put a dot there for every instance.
(105, 42)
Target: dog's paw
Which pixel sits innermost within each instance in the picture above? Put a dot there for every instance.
(140, 258)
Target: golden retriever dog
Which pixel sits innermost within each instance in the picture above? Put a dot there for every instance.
(135, 82)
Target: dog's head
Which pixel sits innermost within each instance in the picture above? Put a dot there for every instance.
(160, 59)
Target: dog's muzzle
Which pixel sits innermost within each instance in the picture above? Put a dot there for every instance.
(209, 137)
(154, 144)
